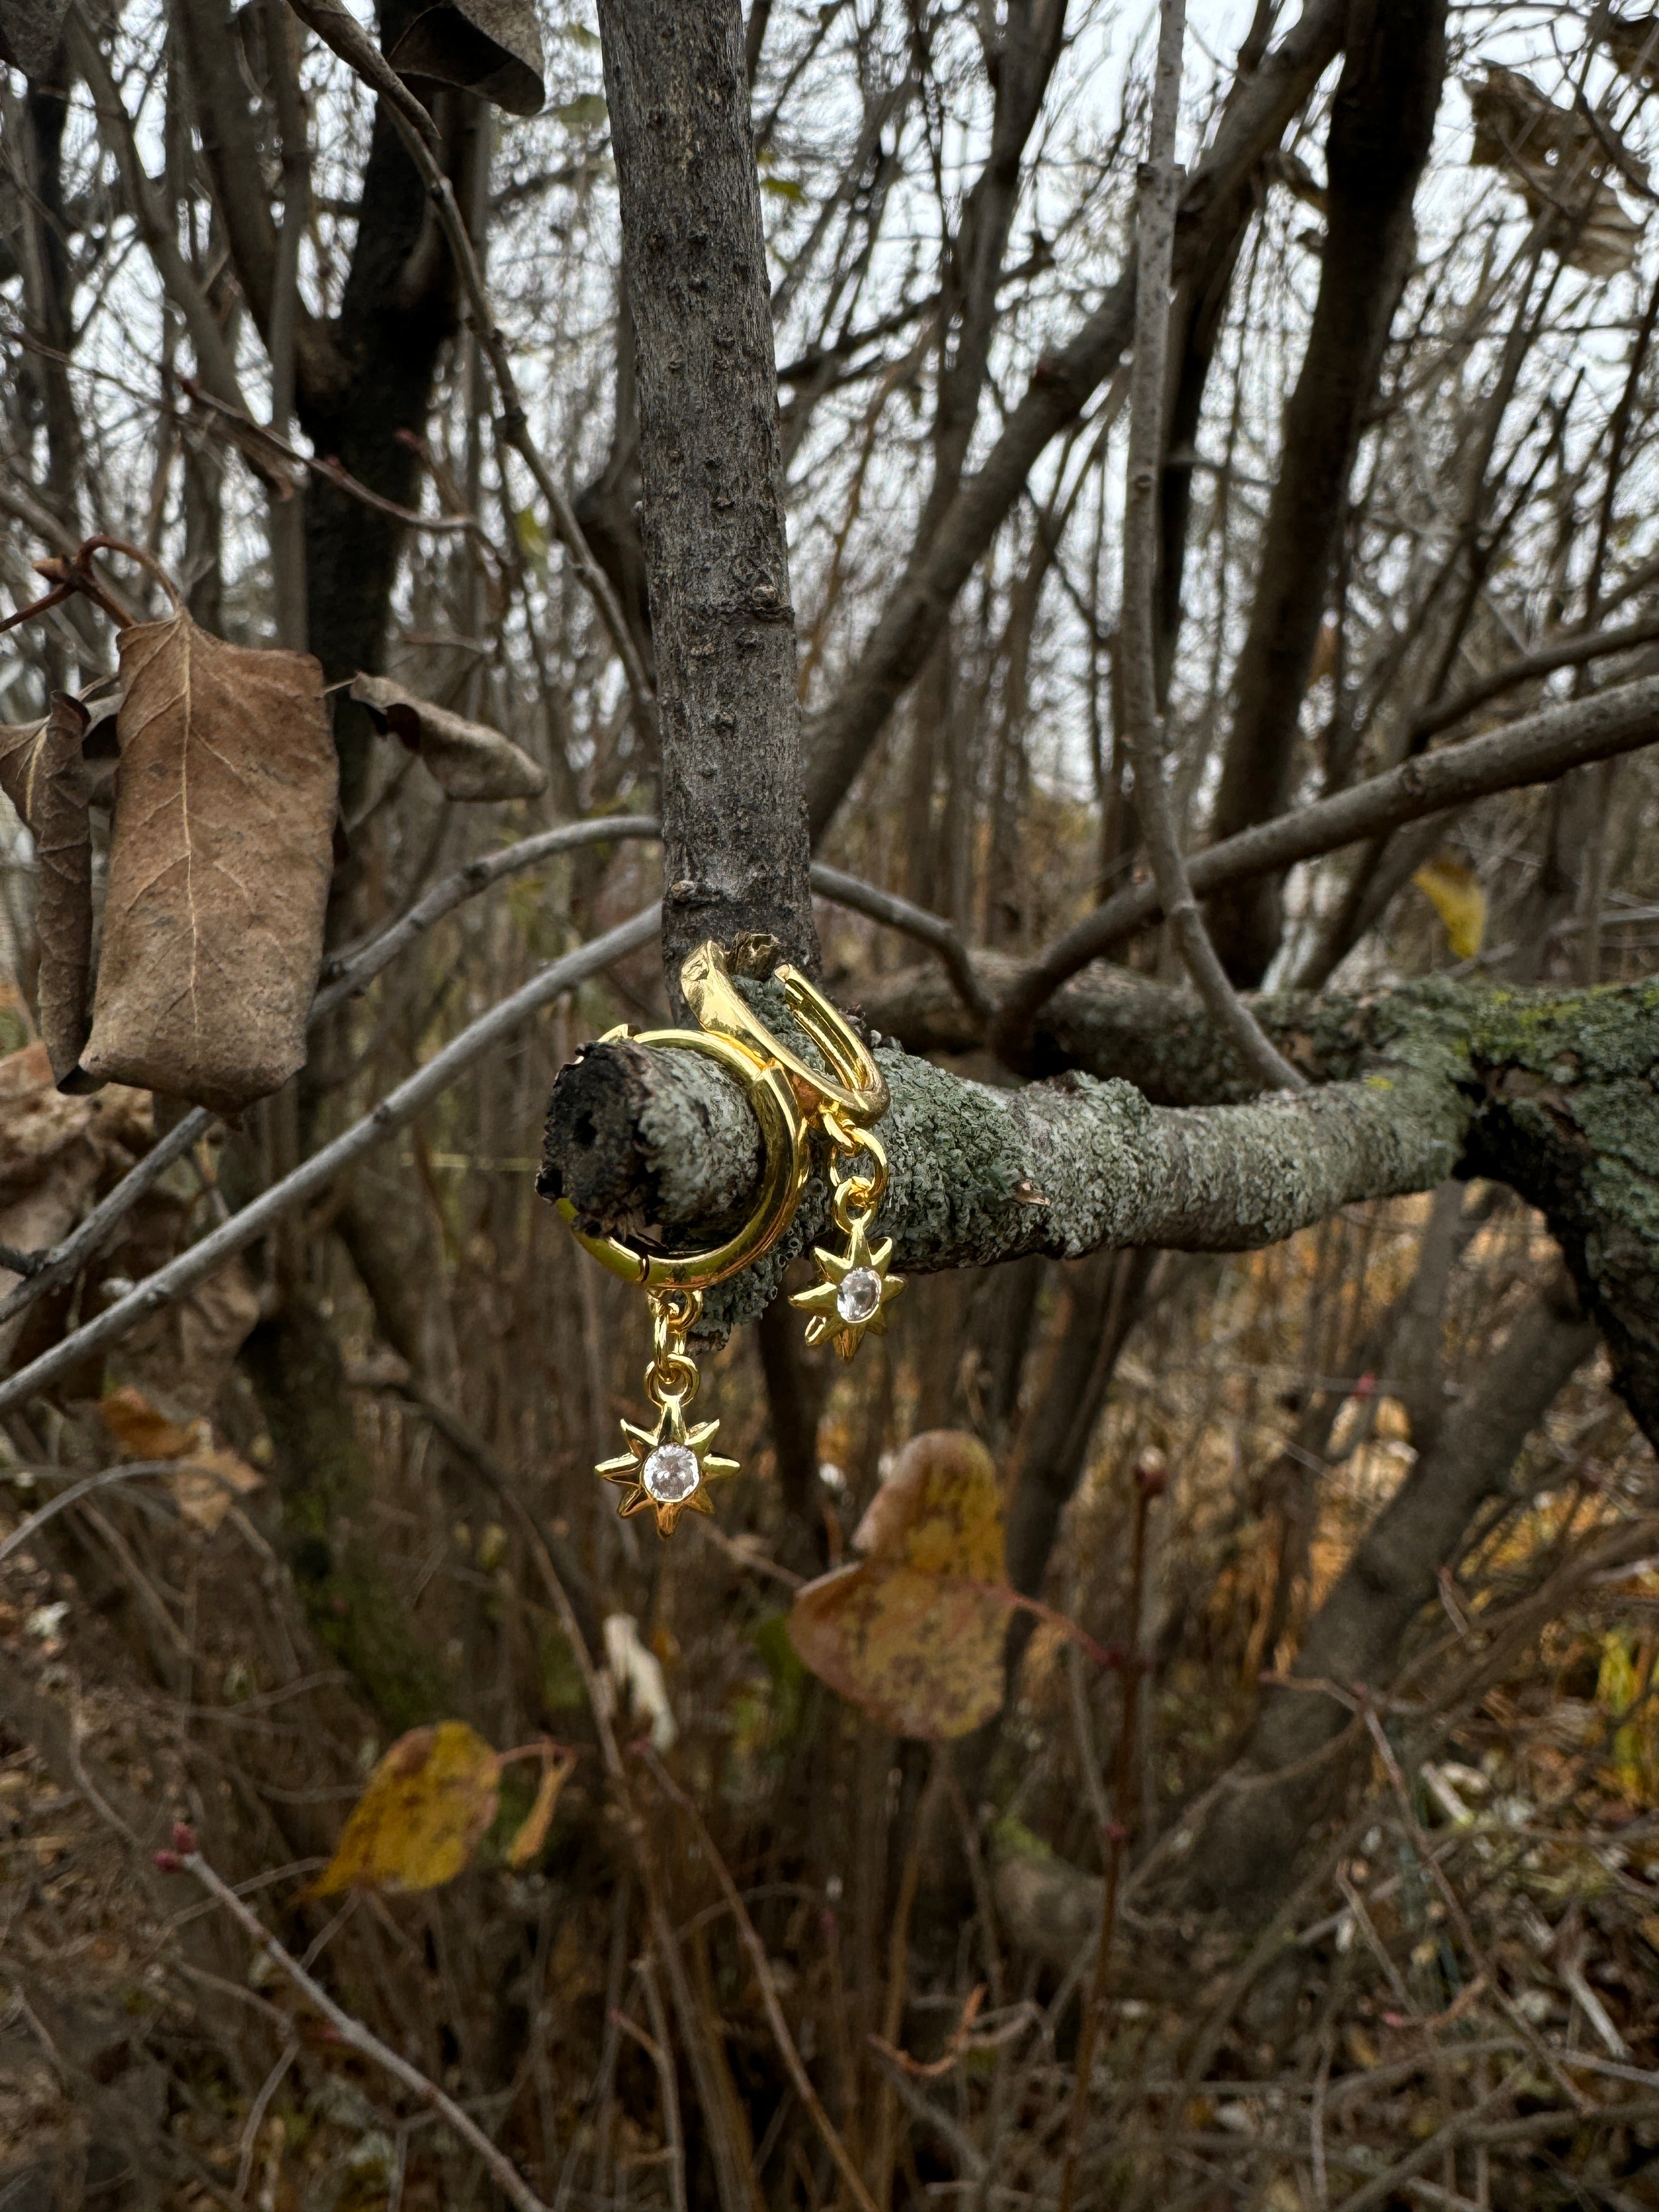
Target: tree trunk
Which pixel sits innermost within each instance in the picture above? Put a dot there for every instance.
(1244, 1860)
(716, 557)
(1381, 123)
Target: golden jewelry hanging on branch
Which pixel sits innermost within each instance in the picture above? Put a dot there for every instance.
(666, 1469)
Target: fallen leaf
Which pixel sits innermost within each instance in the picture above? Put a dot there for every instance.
(636, 1675)
(207, 1480)
(55, 1153)
(45, 774)
(221, 850)
(557, 1768)
(419, 1821)
(492, 47)
(140, 1430)
(1455, 893)
(468, 759)
(913, 1634)
(207, 1485)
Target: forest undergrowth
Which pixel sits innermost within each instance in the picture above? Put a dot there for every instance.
(1457, 2005)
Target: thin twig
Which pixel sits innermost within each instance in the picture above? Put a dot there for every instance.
(756, 1950)
(340, 31)
(930, 929)
(345, 975)
(1115, 1841)
(352, 2033)
(335, 473)
(312, 1176)
(105, 1479)
(1160, 193)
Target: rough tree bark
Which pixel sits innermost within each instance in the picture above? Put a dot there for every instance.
(1556, 1095)
(717, 560)
(1381, 123)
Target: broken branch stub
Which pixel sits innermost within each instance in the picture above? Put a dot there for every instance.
(469, 760)
(220, 854)
(44, 773)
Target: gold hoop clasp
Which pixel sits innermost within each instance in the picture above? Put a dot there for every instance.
(857, 1085)
(666, 1469)
(788, 1162)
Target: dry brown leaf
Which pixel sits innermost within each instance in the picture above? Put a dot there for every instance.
(45, 774)
(468, 759)
(492, 47)
(220, 854)
(207, 1485)
(181, 1358)
(54, 1152)
(557, 1768)
(208, 1478)
(140, 1430)
(914, 1632)
(420, 1820)
(1557, 157)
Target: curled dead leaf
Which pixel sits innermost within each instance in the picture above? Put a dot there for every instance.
(207, 1479)
(208, 1483)
(469, 760)
(417, 1823)
(220, 854)
(1557, 158)
(492, 47)
(557, 1767)
(140, 1430)
(913, 1634)
(45, 774)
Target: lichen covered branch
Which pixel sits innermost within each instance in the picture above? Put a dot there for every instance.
(980, 1174)
(1555, 1094)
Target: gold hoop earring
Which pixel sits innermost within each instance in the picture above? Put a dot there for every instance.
(667, 1469)
(855, 1288)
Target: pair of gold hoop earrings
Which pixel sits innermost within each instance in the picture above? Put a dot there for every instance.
(666, 1469)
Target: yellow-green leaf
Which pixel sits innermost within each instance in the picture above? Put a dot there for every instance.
(585, 113)
(532, 538)
(914, 1633)
(783, 188)
(419, 1822)
(1455, 893)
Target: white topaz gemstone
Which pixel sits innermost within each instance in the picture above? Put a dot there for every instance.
(859, 1297)
(670, 1473)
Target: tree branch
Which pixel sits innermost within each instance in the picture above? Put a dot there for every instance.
(716, 557)
(1556, 1095)
(1143, 719)
(940, 564)
(313, 1176)
(1542, 746)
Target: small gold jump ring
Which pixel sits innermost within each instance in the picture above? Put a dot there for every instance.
(861, 1089)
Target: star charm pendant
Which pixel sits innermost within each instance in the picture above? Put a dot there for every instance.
(666, 1470)
(855, 1293)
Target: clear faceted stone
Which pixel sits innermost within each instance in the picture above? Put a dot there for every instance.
(670, 1473)
(860, 1294)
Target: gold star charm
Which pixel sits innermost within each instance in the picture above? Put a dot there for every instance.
(666, 1469)
(854, 1292)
